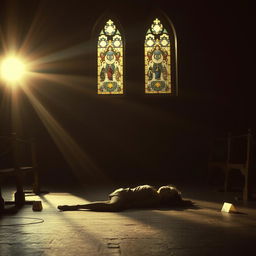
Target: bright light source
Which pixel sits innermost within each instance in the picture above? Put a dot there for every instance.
(12, 69)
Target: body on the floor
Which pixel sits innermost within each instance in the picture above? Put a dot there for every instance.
(143, 196)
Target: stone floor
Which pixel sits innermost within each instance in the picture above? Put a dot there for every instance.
(203, 230)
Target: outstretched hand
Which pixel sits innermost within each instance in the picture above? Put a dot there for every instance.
(67, 207)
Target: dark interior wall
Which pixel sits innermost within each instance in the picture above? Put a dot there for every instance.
(134, 136)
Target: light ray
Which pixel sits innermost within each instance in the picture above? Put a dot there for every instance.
(67, 80)
(35, 31)
(73, 51)
(79, 161)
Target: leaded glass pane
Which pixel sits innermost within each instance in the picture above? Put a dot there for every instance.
(110, 60)
(157, 59)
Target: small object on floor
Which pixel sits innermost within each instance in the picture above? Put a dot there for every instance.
(37, 206)
(229, 208)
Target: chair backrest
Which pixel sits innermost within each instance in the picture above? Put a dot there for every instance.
(240, 148)
(17, 152)
(234, 149)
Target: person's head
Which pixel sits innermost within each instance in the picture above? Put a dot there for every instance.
(169, 194)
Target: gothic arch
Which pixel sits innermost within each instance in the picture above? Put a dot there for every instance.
(110, 45)
(160, 55)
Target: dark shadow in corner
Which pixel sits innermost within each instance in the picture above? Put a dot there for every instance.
(9, 210)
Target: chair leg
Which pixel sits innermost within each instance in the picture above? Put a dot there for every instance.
(226, 185)
(245, 190)
(19, 194)
(36, 184)
(1, 201)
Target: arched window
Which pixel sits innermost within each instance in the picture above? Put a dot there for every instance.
(110, 60)
(158, 59)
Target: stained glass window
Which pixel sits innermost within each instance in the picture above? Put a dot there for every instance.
(110, 60)
(157, 59)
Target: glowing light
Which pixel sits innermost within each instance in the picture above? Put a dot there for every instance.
(12, 69)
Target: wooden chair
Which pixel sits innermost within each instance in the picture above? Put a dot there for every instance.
(18, 169)
(244, 164)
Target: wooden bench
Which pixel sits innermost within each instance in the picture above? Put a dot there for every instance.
(17, 170)
(229, 162)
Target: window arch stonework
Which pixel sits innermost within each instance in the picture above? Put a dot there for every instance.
(110, 60)
(158, 57)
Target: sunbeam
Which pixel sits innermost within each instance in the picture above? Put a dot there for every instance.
(73, 51)
(67, 80)
(79, 161)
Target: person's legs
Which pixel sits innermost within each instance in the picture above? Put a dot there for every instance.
(112, 205)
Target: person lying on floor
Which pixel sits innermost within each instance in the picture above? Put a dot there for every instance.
(144, 196)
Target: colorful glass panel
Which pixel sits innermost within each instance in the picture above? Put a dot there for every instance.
(110, 60)
(157, 59)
